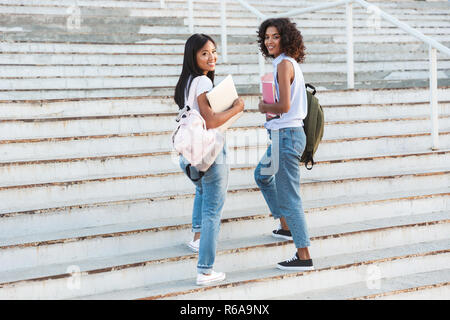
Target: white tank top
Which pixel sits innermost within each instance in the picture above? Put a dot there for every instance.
(299, 103)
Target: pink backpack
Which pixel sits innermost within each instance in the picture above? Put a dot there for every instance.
(191, 139)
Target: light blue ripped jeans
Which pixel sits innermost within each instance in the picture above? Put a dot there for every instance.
(278, 177)
(210, 194)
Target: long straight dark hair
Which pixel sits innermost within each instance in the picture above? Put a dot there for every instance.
(190, 66)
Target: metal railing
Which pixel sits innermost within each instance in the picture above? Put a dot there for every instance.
(433, 44)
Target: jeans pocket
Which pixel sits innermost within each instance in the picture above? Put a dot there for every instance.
(298, 139)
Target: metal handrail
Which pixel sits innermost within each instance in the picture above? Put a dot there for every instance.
(386, 16)
(433, 44)
(419, 35)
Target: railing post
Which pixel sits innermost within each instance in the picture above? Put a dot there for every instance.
(262, 69)
(434, 99)
(261, 63)
(191, 15)
(163, 4)
(350, 59)
(223, 20)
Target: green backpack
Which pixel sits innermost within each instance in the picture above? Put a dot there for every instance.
(313, 125)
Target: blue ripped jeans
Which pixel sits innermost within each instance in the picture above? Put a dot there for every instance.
(210, 194)
(278, 177)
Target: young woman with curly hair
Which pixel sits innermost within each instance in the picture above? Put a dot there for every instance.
(278, 173)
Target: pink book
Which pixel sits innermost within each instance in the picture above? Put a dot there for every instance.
(268, 91)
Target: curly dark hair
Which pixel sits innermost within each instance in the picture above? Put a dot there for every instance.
(291, 38)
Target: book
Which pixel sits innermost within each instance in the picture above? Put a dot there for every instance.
(269, 94)
(268, 89)
(221, 98)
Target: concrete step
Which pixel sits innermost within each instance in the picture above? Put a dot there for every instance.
(75, 74)
(29, 23)
(408, 49)
(391, 57)
(92, 93)
(59, 170)
(55, 194)
(148, 34)
(88, 83)
(145, 142)
(13, 18)
(308, 33)
(181, 4)
(312, 23)
(417, 286)
(380, 104)
(340, 22)
(361, 112)
(45, 171)
(368, 84)
(129, 67)
(173, 228)
(157, 3)
(241, 203)
(338, 13)
(166, 232)
(139, 107)
(379, 274)
(285, 5)
(16, 26)
(139, 269)
(110, 125)
(430, 285)
(201, 10)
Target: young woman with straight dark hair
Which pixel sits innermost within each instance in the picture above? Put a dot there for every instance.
(200, 57)
(278, 174)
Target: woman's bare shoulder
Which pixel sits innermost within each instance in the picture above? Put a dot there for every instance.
(285, 67)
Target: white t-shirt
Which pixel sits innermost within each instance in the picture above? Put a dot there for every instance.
(204, 85)
(299, 102)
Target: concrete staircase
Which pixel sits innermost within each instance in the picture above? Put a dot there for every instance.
(93, 204)
(121, 48)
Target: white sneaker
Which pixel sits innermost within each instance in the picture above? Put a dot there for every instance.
(203, 279)
(194, 245)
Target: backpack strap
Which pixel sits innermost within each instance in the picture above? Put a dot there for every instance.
(311, 133)
(191, 97)
(308, 85)
(309, 159)
(192, 91)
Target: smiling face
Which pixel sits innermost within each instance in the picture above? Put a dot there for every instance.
(207, 57)
(272, 41)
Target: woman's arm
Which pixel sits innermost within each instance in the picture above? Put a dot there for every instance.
(216, 119)
(285, 75)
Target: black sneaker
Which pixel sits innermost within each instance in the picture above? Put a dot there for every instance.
(282, 234)
(296, 264)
